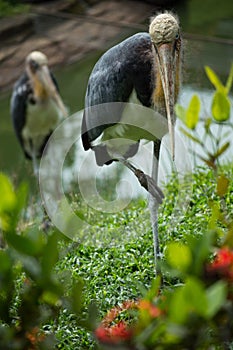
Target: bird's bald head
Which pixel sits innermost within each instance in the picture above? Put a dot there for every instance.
(38, 57)
(164, 28)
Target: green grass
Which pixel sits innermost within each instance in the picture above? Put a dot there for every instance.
(126, 269)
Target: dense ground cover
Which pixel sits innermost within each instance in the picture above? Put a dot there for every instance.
(113, 275)
(54, 292)
(67, 287)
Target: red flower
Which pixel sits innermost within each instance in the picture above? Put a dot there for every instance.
(34, 337)
(108, 332)
(222, 266)
(114, 334)
(153, 310)
(115, 311)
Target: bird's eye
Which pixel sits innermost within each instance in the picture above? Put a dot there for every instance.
(177, 36)
(33, 65)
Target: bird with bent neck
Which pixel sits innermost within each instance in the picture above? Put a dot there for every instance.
(148, 64)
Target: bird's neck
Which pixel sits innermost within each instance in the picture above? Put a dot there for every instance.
(158, 95)
(39, 91)
(158, 99)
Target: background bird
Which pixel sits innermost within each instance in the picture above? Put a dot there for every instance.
(36, 106)
(149, 65)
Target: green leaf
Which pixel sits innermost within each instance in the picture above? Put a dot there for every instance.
(154, 289)
(193, 138)
(50, 256)
(21, 244)
(51, 298)
(207, 124)
(77, 297)
(222, 185)
(178, 256)
(8, 197)
(179, 307)
(195, 295)
(209, 162)
(180, 112)
(229, 80)
(213, 78)
(200, 248)
(192, 113)
(5, 262)
(21, 194)
(221, 107)
(216, 296)
(221, 150)
(188, 299)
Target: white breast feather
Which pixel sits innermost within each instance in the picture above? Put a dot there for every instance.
(41, 120)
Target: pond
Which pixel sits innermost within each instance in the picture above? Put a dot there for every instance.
(72, 81)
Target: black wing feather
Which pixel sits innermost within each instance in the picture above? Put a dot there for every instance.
(21, 92)
(121, 69)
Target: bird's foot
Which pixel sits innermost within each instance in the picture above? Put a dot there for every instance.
(150, 185)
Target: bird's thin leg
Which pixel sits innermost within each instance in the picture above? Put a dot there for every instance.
(154, 206)
(46, 224)
(34, 162)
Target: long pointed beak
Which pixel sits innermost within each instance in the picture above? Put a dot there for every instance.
(44, 76)
(166, 64)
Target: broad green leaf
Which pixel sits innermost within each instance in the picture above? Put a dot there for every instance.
(21, 194)
(213, 78)
(179, 307)
(77, 300)
(51, 298)
(188, 299)
(8, 197)
(228, 241)
(5, 262)
(221, 107)
(216, 296)
(178, 256)
(22, 244)
(50, 255)
(200, 248)
(192, 113)
(229, 80)
(195, 294)
(215, 215)
(37, 237)
(180, 112)
(222, 185)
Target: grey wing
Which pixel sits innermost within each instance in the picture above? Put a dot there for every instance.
(121, 69)
(18, 107)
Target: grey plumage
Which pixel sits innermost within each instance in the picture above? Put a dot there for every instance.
(150, 65)
(122, 69)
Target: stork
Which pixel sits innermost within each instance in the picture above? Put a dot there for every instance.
(148, 64)
(36, 107)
